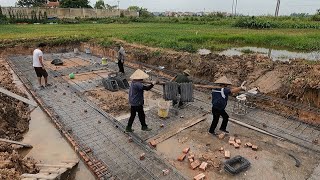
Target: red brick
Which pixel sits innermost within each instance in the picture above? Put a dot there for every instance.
(227, 154)
(181, 157)
(232, 138)
(221, 136)
(89, 163)
(88, 150)
(186, 150)
(142, 156)
(236, 145)
(221, 149)
(190, 160)
(191, 156)
(130, 139)
(238, 141)
(203, 166)
(248, 144)
(195, 164)
(153, 143)
(231, 142)
(254, 147)
(199, 177)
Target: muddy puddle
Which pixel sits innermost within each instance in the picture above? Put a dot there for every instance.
(49, 146)
(281, 55)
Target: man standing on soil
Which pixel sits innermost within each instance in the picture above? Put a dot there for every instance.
(121, 57)
(181, 78)
(136, 99)
(219, 103)
(39, 66)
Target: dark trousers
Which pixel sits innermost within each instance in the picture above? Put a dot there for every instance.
(142, 116)
(120, 65)
(216, 115)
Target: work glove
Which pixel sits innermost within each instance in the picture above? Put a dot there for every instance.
(242, 85)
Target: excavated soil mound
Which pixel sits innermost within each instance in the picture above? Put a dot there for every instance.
(14, 121)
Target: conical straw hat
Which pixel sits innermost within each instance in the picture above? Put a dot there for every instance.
(223, 80)
(139, 74)
(187, 71)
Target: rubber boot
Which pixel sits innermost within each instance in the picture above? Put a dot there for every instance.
(145, 128)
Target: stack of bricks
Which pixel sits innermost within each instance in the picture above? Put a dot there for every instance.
(98, 168)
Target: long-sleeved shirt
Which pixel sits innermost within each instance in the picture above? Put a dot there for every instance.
(136, 97)
(220, 98)
(121, 54)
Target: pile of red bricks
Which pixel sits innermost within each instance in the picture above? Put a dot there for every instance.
(194, 163)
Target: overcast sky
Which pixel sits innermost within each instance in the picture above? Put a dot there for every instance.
(246, 7)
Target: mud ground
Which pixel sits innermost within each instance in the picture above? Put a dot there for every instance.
(270, 159)
(296, 80)
(14, 122)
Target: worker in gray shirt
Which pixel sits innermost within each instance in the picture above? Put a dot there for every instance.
(136, 99)
(181, 78)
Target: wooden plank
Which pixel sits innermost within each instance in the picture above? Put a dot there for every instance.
(20, 98)
(40, 176)
(173, 131)
(68, 166)
(15, 142)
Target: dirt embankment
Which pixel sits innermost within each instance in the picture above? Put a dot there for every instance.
(297, 81)
(14, 121)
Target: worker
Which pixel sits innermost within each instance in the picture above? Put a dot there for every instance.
(136, 99)
(219, 103)
(121, 58)
(38, 65)
(181, 78)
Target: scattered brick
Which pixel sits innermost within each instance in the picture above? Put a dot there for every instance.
(203, 166)
(199, 177)
(232, 138)
(190, 160)
(191, 156)
(195, 164)
(186, 150)
(238, 141)
(231, 142)
(221, 136)
(216, 164)
(221, 149)
(315, 141)
(165, 172)
(254, 147)
(227, 154)
(181, 157)
(162, 125)
(130, 139)
(88, 150)
(142, 156)
(153, 143)
(236, 145)
(89, 163)
(248, 144)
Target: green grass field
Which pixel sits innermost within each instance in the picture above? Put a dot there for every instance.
(181, 37)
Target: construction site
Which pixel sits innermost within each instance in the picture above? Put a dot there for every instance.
(76, 128)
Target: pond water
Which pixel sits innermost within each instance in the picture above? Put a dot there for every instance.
(281, 55)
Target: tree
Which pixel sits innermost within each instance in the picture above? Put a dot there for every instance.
(143, 12)
(109, 7)
(31, 3)
(100, 5)
(75, 4)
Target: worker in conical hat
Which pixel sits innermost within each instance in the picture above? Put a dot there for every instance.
(136, 99)
(219, 103)
(181, 78)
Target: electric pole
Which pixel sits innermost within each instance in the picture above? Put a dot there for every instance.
(277, 8)
(235, 9)
(118, 5)
(232, 7)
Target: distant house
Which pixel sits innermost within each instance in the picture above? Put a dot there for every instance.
(52, 4)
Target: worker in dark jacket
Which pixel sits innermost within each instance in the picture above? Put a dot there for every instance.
(219, 103)
(136, 99)
(181, 78)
